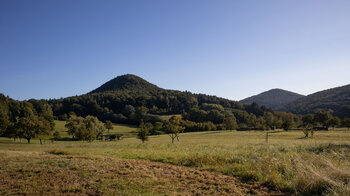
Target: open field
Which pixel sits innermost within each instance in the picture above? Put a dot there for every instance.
(126, 130)
(36, 173)
(288, 163)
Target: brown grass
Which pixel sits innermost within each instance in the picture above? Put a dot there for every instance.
(30, 173)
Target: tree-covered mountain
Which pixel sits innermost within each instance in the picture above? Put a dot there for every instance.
(335, 99)
(127, 82)
(128, 98)
(274, 98)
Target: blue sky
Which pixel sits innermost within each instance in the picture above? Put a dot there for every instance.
(232, 49)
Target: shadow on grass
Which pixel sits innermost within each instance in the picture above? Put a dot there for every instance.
(277, 132)
(211, 132)
(329, 148)
(304, 137)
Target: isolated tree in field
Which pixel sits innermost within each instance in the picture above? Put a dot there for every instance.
(87, 129)
(74, 125)
(308, 130)
(173, 128)
(346, 123)
(230, 123)
(27, 127)
(32, 127)
(109, 125)
(308, 124)
(80, 129)
(143, 132)
(94, 125)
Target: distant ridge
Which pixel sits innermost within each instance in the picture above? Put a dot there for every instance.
(126, 82)
(335, 99)
(274, 98)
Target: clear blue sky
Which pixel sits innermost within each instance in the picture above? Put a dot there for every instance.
(232, 49)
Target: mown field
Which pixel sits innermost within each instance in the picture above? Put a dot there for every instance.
(243, 161)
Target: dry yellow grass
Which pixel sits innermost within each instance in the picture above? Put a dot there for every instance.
(32, 173)
(289, 163)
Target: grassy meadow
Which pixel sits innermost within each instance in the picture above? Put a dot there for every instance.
(288, 163)
(126, 130)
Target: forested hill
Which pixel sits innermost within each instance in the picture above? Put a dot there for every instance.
(274, 98)
(336, 99)
(127, 82)
(127, 98)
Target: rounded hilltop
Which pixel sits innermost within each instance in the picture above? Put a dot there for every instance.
(126, 82)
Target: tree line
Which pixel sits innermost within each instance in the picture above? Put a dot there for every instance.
(25, 119)
(129, 106)
(35, 119)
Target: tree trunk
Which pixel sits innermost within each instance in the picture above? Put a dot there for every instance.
(28, 139)
(41, 143)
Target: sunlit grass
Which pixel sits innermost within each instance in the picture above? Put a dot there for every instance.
(289, 162)
(126, 130)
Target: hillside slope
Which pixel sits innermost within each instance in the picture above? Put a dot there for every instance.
(274, 98)
(336, 99)
(126, 98)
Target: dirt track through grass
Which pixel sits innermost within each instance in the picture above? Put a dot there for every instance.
(40, 173)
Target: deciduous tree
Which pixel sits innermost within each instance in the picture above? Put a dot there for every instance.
(109, 125)
(230, 123)
(173, 128)
(87, 129)
(143, 132)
